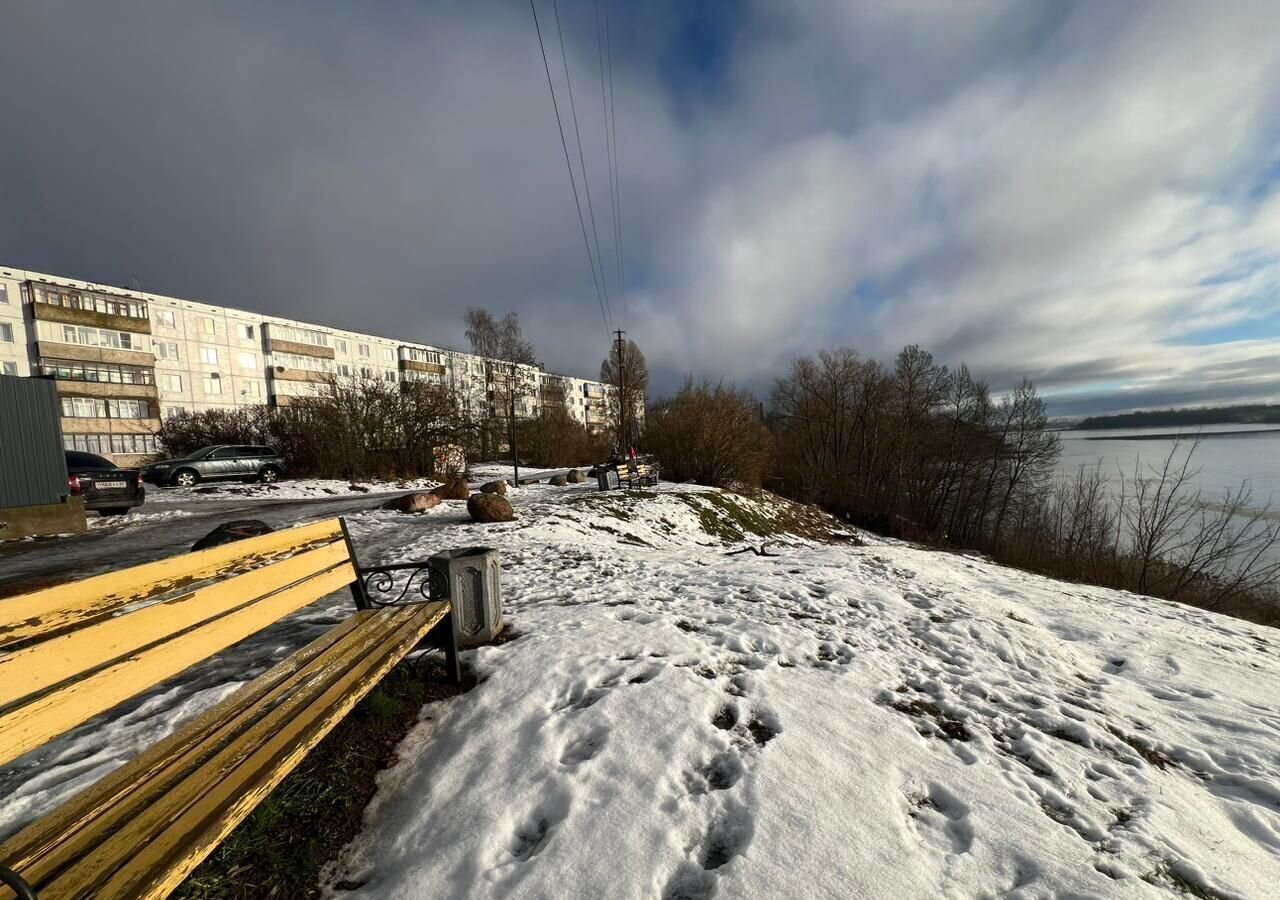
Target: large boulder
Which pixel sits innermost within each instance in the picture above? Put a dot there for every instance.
(490, 508)
(575, 476)
(227, 532)
(525, 481)
(494, 487)
(418, 501)
(453, 489)
(559, 480)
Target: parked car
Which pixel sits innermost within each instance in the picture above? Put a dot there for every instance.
(106, 487)
(221, 462)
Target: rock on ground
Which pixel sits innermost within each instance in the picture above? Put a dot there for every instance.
(575, 476)
(495, 487)
(559, 480)
(490, 508)
(453, 489)
(232, 531)
(419, 501)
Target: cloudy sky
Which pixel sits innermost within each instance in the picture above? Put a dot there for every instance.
(1087, 194)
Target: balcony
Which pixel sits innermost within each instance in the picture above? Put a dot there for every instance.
(71, 387)
(276, 345)
(68, 316)
(412, 365)
(84, 353)
(284, 373)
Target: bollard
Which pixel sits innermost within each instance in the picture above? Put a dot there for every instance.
(469, 577)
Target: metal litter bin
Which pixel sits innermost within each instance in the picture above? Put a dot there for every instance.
(469, 577)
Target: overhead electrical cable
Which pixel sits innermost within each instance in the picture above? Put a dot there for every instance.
(569, 165)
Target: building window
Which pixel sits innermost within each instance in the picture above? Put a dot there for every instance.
(366, 372)
(299, 335)
(426, 356)
(166, 350)
(90, 337)
(111, 443)
(84, 408)
(388, 354)
(87, 300)
(173, 382)
(246, 332)
(6, 333)
(165, 317)
(4, 294)
(364, 349)
(252, 389)
(389, 375)
(212, 384)
(10, 368)
(344, 370)
(209, 356)
(306, 363)
(129, 409)
(207, 325)
(248, 360)
(340, 346)
(176, 409)
(105, 373)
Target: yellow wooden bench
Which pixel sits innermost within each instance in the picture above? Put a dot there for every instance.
(71, 652)
(637, 473)
(630, 474)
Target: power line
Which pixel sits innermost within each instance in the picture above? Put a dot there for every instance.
(572, 182)
(617, 180)
(608, 147)
(586, 180)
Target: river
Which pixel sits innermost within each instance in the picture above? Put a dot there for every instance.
(1226, 455)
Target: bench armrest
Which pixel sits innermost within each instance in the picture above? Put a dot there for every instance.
(399, 584)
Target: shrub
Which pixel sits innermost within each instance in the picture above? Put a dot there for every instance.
(555, 439)
(353, 428)
(711, 435)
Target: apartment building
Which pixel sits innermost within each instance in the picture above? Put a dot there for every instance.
(123, 359)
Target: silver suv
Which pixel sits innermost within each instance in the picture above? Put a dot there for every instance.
(221, 462)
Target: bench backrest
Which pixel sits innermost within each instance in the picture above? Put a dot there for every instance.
(70, 652)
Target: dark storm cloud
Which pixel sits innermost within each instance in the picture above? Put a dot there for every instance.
(1040, 189)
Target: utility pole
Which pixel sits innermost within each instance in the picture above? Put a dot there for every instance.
(624, 446)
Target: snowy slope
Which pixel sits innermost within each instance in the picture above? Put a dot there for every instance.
(836, 721)
(833, 721)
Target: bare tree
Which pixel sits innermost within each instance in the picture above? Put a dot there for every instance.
(510, 369)
(630, 380)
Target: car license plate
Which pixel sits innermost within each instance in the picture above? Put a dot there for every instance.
(110, 485)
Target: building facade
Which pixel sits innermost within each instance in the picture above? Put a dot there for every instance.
(123, 359)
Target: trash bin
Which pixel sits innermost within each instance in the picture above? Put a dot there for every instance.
(469, 577)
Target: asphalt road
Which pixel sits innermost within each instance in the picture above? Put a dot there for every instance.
(28, 564)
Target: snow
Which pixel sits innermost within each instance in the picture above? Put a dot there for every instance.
(834, 720)
(135, 517)
(291, 489)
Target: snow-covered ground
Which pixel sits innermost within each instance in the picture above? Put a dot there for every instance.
(290, 489)
(831, 721)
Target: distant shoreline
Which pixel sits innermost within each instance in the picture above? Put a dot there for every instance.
(1165, 435)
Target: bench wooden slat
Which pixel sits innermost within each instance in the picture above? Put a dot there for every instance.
(65, 606)
(34, 848)
(30, 725)
(27, 671)
(196, 814)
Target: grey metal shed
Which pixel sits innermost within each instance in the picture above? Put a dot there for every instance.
(33, 468)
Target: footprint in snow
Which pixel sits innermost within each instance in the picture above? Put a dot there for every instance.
(721, 773)
(584, 748)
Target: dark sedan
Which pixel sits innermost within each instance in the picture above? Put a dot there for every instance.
(106, 487)
(221, 462)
